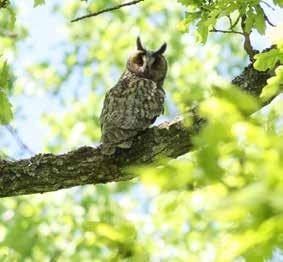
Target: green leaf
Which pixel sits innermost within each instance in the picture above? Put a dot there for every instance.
(104, 229)
(273, 85)
(250, 20)
(268, 60)
(4, 76)
(189, 18)
(12, 18)
(38, 2)
(6, 114)
(202, 31)
(190, 3)
(260, 20)
(183, 2)
(278, 2)
(245, 103)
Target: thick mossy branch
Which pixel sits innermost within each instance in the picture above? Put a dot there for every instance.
(86, 165)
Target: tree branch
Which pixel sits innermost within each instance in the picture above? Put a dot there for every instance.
(214, 30)
(236, 22)
(86, 165)
(268, 20)
(106, 10)
(247, 42)
(6, 33)
(269, 5)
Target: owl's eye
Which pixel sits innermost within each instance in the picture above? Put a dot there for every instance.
(156, 62)
(138, 60)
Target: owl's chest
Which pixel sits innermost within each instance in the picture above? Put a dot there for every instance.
(140, 90)
(133, 104)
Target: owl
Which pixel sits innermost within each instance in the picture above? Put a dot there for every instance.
(134, 103)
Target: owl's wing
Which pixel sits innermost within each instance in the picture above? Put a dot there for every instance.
(148, 102)
(137, 105)
(130, 109)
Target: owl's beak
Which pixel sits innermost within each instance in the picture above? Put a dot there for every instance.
(145, 68)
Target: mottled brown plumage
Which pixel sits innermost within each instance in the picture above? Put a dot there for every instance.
(134, 103)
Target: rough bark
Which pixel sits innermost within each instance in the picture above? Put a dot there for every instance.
(86, 165)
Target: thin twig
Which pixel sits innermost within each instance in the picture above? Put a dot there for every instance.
(267, 20)
(19, 141)
(247, 43)
(270, 6)
(226, 31)
(6, 33)
(248, 46)
(236, 22)
(106, 10)
(230, 20)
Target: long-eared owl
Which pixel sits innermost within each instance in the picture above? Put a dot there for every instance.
(134, 103)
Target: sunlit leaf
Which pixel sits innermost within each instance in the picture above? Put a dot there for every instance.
(38, 2)
(274, 85)
(6, 113)
(268, 60)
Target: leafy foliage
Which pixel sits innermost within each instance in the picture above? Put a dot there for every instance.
(6, 113)
(38, 2)
(206, 15)
(268, 61)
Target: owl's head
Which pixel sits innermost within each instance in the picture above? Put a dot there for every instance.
(148, 64)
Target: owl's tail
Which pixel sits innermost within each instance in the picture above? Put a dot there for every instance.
(109, 150)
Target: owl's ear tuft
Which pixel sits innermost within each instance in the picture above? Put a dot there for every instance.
(161, 50)
(139, 44)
